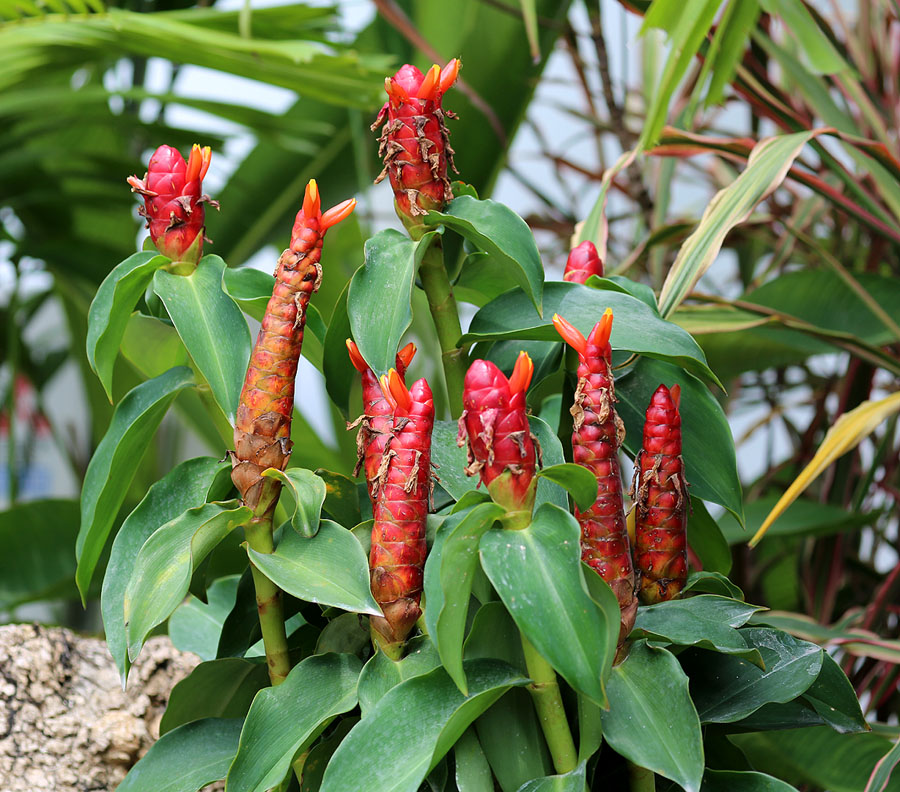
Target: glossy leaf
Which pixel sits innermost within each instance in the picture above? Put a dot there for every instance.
(115, 461)
(345, 634)
(472, 771)
(329, 568)
(187, 758)
(111, 310)
(341, 498)
(196, 626)
(881, 773)
(163, 568)
(537, 573)
(735, 781)
(833, 697)
(152, 346)
(651, 719)
(276, 729)
(569, 782)
(308, 492)
(498, 231)
(336, 366)
(430, 713)
(381, 674)
(578, 481)
(713, 583)
(449, 571)
(706, 539)
(212, 327)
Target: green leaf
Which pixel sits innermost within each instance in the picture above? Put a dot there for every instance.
(734, 27)
(250, 288)
(713, 583)
(340, 375)
(163, 568)
(115, 461)
(706, 539)
(186, 759)
(651, 719)
(636, 327)
(214, 689)
(112, 307)
(276, 729)
(196, 626)
(569, 782)
(498, 231)
(733, 781)
(341, 498)
(473, 773)
(578, 481)
(833, 697)
(449, 571)
(329, 568)
(308, 493)
(212, 327)
(430, 713)
(381, 674)
(346, 634)
(380, 296)
(823, 58)
(726, 688)
(152, 346)
(537, 573)
(881, 775)
(706, 621)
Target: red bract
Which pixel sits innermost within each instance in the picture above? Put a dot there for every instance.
(596, 437)
(415, 142)
(500, 445)
(173, 201)
(661, 499)
(403, 487)
(583, 262)
(262, 427)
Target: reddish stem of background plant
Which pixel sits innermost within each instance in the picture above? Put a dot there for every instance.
(596, 438)
(583, 262)
(661, 501)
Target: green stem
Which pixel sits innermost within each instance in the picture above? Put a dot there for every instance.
(641, 779)
(13, 353)
(544, 690)
(446, 322)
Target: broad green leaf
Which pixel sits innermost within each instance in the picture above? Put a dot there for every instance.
(606, 601)
(430, 713)
(330, 568)
(212, 327)
(713, 583)
(308, 492)
(346, 634)
(320, 755)
(735, 781)
(636, 327)
(619, 283)
(336, 366)
(537, 573)
(449, 571)
(196, 626)
(152, 346)
(726, 688)
(276, 729)
(380, 674)
(569, 782)
(380, 296)
(341, 498)
(184, 487)
(472, 771)
(115, 461)
(163, 567)
(187, 758)
(834, 698)
(881, 774)
(706, 539)
(214, 689)
(578, 481)
(498, 231)
(112, 307)
(651, 719)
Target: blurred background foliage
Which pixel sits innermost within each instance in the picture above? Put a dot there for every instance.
(798, 314)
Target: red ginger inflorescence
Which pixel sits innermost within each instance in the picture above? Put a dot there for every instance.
(377, 421)
(583, 262)
(500, 445)
(597, 434)
(415, 142)
(173, 201)
(263, 423)
(400, 509)
(661, 501)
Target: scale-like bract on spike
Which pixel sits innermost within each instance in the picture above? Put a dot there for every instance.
(661, 501)
(583, 262)
(403, 492)
(596, 437)
(262, 427)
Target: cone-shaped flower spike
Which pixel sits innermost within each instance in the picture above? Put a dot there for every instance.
(403, 491)
(263, 423)
(173, 201)
(661, 501)
(597, 434)
(500, 444)
(415, 142)
(583, 262)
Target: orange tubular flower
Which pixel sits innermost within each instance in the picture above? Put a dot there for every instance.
(583, 262)
(173, 201)
(415, 141)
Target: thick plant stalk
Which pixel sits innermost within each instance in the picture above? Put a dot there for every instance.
(596, 438)
(263, 421)
(403, 493)
(583, 262)
(661, 500)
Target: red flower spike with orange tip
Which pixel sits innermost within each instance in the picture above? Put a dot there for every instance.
(376, 422)
(263, 423)
(583, 262)
(415, 142)
(500, 445)
(661, 500)
(403, 492)
(596, 437)
(173, 201)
